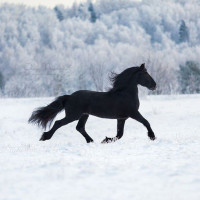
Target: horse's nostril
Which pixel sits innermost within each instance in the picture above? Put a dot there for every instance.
(153, 88)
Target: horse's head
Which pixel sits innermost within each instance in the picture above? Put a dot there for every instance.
(145, 79)
(131, 77)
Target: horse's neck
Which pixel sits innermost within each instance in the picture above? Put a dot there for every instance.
(132, 90)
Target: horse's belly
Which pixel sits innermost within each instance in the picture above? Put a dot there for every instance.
(109, 115)
(108, 111)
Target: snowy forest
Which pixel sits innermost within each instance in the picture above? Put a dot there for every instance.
(50, 52)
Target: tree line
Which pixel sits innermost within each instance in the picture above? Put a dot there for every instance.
(48, 52)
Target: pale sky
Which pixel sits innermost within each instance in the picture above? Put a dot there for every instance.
(47, 3)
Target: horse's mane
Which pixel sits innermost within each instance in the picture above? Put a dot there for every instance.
(121, 81)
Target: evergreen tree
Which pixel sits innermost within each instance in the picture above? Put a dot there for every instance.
(183, 32)
(59, 14)
(189, 77)
(93, 16)
(2, 83)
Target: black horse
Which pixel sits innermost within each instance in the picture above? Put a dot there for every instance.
(120, 102)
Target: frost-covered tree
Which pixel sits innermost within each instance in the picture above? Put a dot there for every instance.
(83, 12)
(163, 74)
(183, 32)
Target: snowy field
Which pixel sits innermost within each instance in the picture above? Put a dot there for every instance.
(66, 168)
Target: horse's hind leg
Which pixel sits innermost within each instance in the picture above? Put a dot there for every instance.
(59, 123)
(81, 127)
(120, 131)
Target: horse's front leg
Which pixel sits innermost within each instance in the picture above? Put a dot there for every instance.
(120, 131)
(137, 116)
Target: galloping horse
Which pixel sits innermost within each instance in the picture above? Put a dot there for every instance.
(120, 102)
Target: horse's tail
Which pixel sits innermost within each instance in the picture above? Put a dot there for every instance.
(44, 115)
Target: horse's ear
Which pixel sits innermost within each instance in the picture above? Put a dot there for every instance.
(142, 66)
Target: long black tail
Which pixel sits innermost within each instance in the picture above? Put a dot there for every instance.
(45, 115)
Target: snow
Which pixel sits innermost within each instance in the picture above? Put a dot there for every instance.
(132, 168)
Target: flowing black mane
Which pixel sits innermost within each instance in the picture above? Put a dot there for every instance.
(121, 81)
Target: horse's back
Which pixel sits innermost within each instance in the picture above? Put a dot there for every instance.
(100, 104)
(84, 98)
(86, 95)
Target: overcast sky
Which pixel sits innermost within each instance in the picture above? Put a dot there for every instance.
(48, 3)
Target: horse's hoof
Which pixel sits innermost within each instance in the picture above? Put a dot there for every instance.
(152, 137)
(108, 140)
(104, 141)
(90, 141)
(44, 137)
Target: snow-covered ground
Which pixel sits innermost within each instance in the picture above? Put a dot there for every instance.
(66, 168)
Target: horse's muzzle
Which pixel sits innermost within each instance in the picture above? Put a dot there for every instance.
(153, 88)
